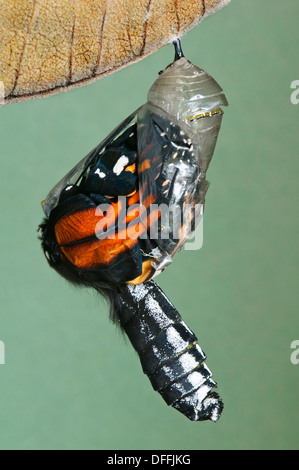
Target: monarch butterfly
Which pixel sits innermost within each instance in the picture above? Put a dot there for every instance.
(157, 157)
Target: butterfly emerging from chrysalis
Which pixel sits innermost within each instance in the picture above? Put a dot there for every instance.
(105, 227)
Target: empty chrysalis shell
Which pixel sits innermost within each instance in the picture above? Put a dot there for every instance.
(188, 93)
(48, 46)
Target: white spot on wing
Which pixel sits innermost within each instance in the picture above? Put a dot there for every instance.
(100, 173)
(120, 164)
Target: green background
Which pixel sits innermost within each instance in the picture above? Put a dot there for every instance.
(70, 380)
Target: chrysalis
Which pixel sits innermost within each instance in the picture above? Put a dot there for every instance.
(115, 221)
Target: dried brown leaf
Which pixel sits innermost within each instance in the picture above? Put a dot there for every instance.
(47, 46)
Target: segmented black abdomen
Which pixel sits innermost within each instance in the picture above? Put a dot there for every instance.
(169, 353)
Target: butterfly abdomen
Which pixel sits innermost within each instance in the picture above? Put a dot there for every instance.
(169, 352)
